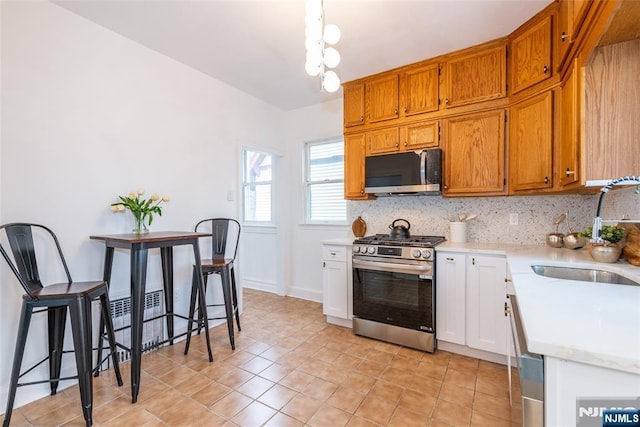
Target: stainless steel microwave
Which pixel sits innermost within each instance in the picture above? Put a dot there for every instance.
(407, 173)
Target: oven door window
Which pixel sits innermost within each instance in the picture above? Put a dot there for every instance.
(395, 298)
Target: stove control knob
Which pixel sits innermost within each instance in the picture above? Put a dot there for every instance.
(415, 253)
(356, 249)
(426, 254)
(371, 250)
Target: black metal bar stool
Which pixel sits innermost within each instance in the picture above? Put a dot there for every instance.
(55, 299)
(225, 237)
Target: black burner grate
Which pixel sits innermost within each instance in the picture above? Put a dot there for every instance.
(384, 239)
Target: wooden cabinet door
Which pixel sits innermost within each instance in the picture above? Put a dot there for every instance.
(486, 295)
(531, 144)
(382, 98)
(420, 89)
(571, 16)
(531, 56)
(569, 123)
(474, 147)
(612, 113)
(354, 152)
(383, 141)
(451, 297)
(420, 135)
(353, 105)
(476, 76)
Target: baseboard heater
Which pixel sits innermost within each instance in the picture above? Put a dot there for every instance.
(152, 332)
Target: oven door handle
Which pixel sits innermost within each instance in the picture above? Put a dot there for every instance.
(421, 270)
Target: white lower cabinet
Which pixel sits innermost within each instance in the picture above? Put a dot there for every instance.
(337, 293)
(470, 298)
(451, 300)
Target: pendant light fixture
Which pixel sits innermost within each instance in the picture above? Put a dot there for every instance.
(321, 58)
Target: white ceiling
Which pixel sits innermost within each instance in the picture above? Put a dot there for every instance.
(257, 46)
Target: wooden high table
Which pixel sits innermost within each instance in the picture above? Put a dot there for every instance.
(139, 245)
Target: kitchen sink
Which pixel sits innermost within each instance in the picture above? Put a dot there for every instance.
(582, 274)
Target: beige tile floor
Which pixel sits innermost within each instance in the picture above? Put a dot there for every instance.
(291, 368)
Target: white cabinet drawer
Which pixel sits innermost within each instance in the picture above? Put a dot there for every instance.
(334, 253)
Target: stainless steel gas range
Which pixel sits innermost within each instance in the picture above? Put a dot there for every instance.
(393, 289)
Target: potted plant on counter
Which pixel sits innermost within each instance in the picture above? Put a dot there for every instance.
(610, 249)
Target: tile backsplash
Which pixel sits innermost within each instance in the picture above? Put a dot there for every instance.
(428, 215)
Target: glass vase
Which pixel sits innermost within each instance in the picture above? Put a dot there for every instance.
(140, 227)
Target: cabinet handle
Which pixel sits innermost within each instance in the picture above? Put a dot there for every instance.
(569, 172)
(406, 144)
(446, 187)
(397, 144)
(404, 109)
(332, 253)
(546, 179)
(324, 264)
(545, 69)
(473, 261)
(395, 111)
(449, 259)
(361, 119)
(564, 36)
(446, 101)
(506, 309)
(507, 280)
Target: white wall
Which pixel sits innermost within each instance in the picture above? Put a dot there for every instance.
(88, 115)
(304, 256)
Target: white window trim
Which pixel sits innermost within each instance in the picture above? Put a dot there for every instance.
(274, 156)
(305, 186)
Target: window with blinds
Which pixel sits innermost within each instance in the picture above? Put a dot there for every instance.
(256, 186)
(324, 180)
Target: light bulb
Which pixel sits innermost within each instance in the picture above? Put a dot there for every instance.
(314, 57)
(314, 31)
(331, 57)
(312, 69)
(331, 82)
(311, 44)
(314, 7)
(331, 34)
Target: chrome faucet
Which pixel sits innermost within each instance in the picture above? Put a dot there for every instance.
(598, 221)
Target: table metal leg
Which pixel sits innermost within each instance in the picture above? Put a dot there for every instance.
(166, 255)
(106, 276)
(202, 297)
(138, 283)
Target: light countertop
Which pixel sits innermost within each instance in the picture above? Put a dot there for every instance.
(342, 241)
(592, 323)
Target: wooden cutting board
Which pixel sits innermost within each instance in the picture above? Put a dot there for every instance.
(359, 227)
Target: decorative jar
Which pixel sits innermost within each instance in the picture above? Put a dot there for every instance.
(604, 252)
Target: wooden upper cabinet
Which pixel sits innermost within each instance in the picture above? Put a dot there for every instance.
(478, 74)
(382, 98)
(531, 144)
(569, 123)
(353, 104)
(611, 112)
(531, 55)
(383, 141)
(354, 153)
(420, 135)
(473, 148)
(571, 15)
(419, 90)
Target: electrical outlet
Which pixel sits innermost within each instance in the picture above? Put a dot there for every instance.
(513, 219)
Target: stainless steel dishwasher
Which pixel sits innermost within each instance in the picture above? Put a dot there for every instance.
(530, 370)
